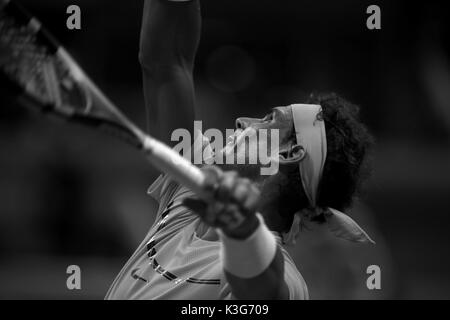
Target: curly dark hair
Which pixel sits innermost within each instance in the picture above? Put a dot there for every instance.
(347, 164)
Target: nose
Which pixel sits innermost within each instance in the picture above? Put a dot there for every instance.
(243, 123)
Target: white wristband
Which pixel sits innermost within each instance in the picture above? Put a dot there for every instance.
(250, 257)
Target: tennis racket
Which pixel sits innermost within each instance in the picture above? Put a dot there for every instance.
(40, 73)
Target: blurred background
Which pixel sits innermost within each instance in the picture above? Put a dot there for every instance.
(72, 196)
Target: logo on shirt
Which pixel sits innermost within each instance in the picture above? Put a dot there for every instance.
(170, 276)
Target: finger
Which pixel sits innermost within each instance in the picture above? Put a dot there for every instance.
(212, 172)
(212, 177)
(231, 217)
(251, 203)
(212, 213)
(241, 190)
(226, 186)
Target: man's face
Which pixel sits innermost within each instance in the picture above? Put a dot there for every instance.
(279, 119)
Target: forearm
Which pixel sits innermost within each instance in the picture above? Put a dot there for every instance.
(169, 38)
(254, 267)
(170, 101)
(170, 33)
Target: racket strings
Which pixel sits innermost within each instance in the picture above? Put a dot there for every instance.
(42, 74)
(40, 69)
(23, 60)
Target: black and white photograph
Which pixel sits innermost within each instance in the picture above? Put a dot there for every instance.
(224, 150)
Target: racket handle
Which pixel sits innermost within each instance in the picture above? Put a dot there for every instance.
(171, 162)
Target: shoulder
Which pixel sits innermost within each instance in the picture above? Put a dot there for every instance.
(298, 290)
(160, 186)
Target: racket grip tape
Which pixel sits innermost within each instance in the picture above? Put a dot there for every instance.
(171, 162)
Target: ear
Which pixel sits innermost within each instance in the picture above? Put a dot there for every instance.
(294, 155)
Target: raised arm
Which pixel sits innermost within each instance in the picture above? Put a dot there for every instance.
(169, 39)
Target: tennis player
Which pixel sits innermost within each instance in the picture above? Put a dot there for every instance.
(232, 246)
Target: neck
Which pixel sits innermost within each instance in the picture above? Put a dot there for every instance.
(273, 219)
(270, 203)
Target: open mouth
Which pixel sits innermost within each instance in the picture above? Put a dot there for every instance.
(233, 139)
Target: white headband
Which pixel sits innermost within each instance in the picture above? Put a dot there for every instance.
(311, 135)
